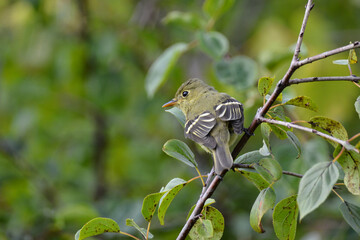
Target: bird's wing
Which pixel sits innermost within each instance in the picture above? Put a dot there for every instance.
(199, 128)
(231, 110)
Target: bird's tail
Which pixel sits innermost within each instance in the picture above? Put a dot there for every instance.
(222, 159)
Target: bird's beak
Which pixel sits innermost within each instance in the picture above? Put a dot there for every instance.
(172, 102)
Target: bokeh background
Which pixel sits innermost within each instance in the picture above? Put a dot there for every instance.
(79, 138)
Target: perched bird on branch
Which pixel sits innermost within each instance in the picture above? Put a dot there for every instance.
(211, 117)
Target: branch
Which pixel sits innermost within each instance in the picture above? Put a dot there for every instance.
(329, 53)
(240, 165)
(310, 130)
(322, 79)
(309, 7)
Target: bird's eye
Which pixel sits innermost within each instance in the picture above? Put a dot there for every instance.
(185, 93)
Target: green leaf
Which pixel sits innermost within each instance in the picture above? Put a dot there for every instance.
(285, 217)
(185, 19)
(264, 85)
(180, 151)
(352, 56)
(162, 66)
(264, 150)
(215, 8)
(217, 222)
(295, 141)
(264, 202)
(330, 127)
(205, 229)
(350, 163)
(341, 62)
(97, 226)
(351, 214)
(265, 132)
(172, 189)
(253, 156)
(239, 71)
(143, 231)
(149, 205)
(269, 169)
(209, 201)
(278, 113)
(302, 101)
(279, 131)
(357, 105)
(254, 177)
(315, 186)
(249, 157)
(214, 44)
(179, 115)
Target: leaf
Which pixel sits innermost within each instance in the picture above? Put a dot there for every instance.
(278, 113)
(264, 150)
(149, 205)
(172, 189)
(295, 141)
(269, 169)
(205, 229)
(330, 127)
(239, 71)
(162, 66)
(249, 157)
(97, 226)
(215, 8)
(209, 201)
(254, 177)
(214, 44)
(265, 132)
(302, 101)
(357, 105)
(180, 151)
(350, 163)
(143, 231)
(351, 214)
(352, 56)
(179, 115)
(217, 221)
(185, 19)
(264, 202)
(285, 217)
(264, 85)
(341, 62)
(278, 131)
(315, 186)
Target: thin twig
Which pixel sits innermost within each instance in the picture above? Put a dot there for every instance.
(240, 165)
(309, 7)
(306, 129)
(321, 79)
(329, 53)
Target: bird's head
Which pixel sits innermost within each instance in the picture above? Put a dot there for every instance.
(188, 93)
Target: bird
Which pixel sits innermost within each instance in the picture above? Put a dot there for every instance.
(211, 117)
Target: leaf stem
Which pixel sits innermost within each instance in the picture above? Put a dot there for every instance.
(338, 195)
(339, 154)
(197, 177)
(148, 230)
(202, 180)
(353, 137)
(129, 235)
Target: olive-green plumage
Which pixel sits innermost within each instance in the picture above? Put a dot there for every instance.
(210, 116)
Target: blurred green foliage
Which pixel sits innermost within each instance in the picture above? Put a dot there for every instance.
(80, 139)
